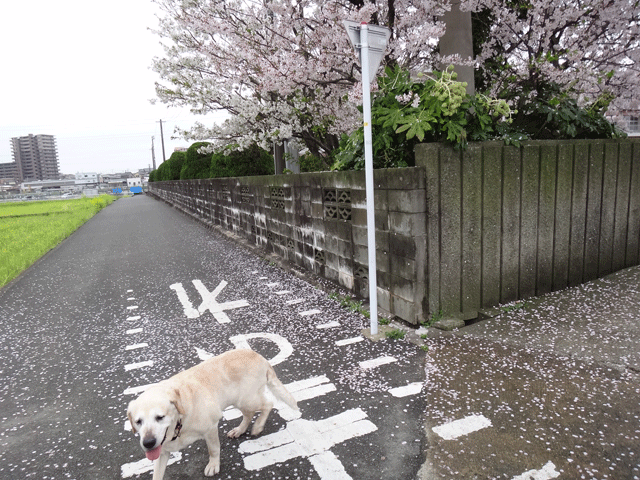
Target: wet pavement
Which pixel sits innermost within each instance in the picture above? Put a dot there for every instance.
(555, 384)
(141, 292)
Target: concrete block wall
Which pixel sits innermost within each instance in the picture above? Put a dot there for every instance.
(318, 222)
(462, 231)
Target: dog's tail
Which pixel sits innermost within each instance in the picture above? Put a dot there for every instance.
(279, 390)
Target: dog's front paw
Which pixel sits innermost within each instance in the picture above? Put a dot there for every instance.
(212, 468)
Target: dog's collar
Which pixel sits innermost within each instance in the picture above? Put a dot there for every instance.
(176, 432)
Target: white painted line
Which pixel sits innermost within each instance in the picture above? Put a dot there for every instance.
(129, 291)
(312, 439)
(411, 389)
(332, 324)
(136, 346)
(132, 307)
(306, 313)
(328, 466)
(545, 473)
(136, 390)
(273, 284)
(131, 298)
(136, 366)
(464, 426)
(285, 347)
(283, 292)
(295, 301)
(135, 317)
(133, 330)
(348, 341)
(143, 466)
(263, 278)
(301, 390)
(376, 362)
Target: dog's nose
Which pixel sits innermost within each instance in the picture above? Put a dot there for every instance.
(149, 442)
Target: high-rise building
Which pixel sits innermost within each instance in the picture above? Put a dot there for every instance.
(36, 157)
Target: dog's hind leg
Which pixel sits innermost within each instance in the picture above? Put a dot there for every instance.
(247, 416)
(265, 409)
(213, 445)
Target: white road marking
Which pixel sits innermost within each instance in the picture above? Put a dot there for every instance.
(133, 330)
(332, 324)
(461, 427)
(135, 317)
(143, 466)
(136, 390)
(295, 301)
(285, 347)
(136, 346)
(545, 473)
(306, 313)
(283, 292)
(411, 389)
(131, 298)
(304, 438)
(273, 284)
(136, 366)
(376, 362)
(348, 341)
(209, 301)
(132, 307)
(129, 291)
(301, 390)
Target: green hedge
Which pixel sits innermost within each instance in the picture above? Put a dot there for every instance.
(252, 161)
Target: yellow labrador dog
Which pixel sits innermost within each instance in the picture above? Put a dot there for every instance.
(187, 407)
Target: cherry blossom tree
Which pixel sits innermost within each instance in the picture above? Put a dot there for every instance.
(285, 68)
(281, 69)
(588, 49)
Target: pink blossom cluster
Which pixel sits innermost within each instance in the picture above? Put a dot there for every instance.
(286, 68)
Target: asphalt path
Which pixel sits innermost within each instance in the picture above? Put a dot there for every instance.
(141, 292)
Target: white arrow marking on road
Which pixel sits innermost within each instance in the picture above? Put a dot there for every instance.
(305, 438)
(144, 465)
(209, 301)
(545, 473)
(464, 426)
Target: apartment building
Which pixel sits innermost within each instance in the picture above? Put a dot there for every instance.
(36, 157)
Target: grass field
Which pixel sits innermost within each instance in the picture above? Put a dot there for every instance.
(28, 230)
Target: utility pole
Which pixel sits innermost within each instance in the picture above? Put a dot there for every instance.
(153, 154)
(164, 158)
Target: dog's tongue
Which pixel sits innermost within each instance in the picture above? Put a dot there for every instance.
(153, 454)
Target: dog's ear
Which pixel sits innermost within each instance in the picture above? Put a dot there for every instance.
(133, 427)
(176, 401)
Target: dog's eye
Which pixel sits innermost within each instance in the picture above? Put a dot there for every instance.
(159, 418)
(138, 422)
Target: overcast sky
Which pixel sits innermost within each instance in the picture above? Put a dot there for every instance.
(80, 70)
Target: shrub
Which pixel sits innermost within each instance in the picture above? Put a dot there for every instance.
(437, 109)
(196, 164)
(249, 162)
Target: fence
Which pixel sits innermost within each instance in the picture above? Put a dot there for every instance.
(461, 231)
